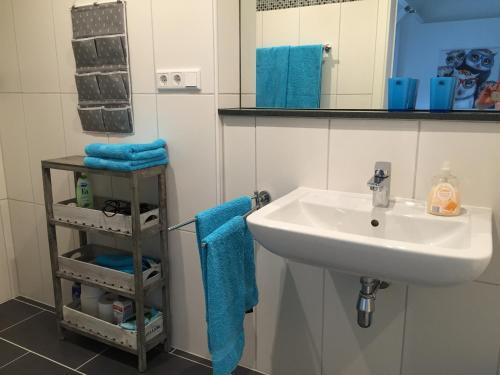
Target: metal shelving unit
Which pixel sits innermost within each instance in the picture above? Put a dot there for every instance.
(75, 164)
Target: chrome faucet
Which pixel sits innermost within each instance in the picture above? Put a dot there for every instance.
(380, 184)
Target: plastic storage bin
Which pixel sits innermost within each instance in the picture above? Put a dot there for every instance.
(442, 93)
(402, 93)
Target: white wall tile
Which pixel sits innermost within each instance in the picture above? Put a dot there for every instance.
(354, 101)
(184, 37)
(239, 156)
(328, 101)
(76, 138)
(248, 100)
(229, 101)
(290, 153)
(251, 25)
(228, 45)
(452, 330)
(9, 246)
(6, 291)
(15, 147)
(36, 45)
(351, 350)
(24, 234)
(10, 80)
(280, 27)
(140, 38)
(3, 186)
(357, 47)
(63, 36)
(472, 149)
(45, 136)
(355, 146)
(187, 122)
(289, 316)
(320, 24)
(188, 301)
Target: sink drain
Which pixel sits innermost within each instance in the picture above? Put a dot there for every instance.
(375, 223)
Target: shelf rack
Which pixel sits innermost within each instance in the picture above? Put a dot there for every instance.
(75, 164)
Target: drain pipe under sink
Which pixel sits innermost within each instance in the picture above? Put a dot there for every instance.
(366, 300)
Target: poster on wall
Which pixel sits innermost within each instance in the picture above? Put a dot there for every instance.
(476, 69)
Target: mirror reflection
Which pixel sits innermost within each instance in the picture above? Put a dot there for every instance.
(370, 54)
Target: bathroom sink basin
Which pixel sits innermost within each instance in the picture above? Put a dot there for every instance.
(342, 231)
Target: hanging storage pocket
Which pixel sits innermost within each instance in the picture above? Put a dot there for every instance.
(91, 119)
(117, 119)
(85, 52)
(101, 19)
(88, 87)
(113, 86)
(111, 50)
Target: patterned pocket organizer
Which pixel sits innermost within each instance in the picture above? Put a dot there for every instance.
(88, 87)
(100, 47)
(96, 20)
(112, 86)
(85, 52)
(112, 50)
(91, 119)
(117, 119)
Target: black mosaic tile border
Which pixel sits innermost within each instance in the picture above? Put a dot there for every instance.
(263, 5)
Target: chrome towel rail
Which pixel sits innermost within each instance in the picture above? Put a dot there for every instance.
(261, 199)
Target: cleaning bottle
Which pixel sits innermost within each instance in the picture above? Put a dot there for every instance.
(84, 197)
(444, 197)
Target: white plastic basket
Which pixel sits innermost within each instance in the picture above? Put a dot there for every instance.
(67, 211)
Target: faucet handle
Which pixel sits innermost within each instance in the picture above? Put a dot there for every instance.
(382, 169)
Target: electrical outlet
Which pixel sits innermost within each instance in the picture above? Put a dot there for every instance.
(162, 79)
(179, 79)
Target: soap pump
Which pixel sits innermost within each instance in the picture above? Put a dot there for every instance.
(444, 197)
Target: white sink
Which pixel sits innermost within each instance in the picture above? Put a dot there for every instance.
(334, 230)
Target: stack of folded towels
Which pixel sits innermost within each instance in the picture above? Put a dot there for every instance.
(126, 157)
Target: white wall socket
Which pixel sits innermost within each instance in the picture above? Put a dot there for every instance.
(178, 79)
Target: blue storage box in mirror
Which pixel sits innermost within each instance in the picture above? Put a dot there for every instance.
(442, 94)
(402, 93)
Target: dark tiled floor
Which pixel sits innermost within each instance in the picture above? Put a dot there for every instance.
(29, 345)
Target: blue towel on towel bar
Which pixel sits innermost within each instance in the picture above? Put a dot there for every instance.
(122, 165)
(272, 76)
(228, 246)
(304, 77)
(229, 267)
(155, 149)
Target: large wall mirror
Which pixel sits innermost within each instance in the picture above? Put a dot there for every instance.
(339, 54)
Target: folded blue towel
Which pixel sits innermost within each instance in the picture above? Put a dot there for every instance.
(131, 151)
(304, 77)
(272, 76)
(123, 263)
(122, 165)
(229, 268)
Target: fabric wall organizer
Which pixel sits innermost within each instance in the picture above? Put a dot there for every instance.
(100, 47)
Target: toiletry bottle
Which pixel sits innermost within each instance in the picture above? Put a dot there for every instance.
(84, 197)
(444, 197)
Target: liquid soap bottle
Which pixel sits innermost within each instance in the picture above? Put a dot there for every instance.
(444, 197)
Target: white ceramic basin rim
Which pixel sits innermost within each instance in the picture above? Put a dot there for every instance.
(343, 231)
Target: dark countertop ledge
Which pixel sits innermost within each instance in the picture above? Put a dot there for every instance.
(490, 116)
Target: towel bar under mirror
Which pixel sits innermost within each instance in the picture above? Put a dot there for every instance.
(398, 38)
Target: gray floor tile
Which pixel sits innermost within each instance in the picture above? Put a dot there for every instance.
(32, 364)
(43, 306)
(117, 362)
(39, 334)
(9, 352)
(12, 312)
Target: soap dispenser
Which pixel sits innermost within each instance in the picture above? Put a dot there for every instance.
(444, 197)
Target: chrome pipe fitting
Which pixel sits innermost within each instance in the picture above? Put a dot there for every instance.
(366, 300)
